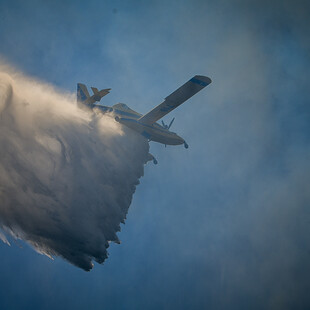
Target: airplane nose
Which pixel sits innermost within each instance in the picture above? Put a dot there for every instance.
(180, 140)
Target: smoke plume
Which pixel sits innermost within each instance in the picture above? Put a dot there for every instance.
(67, 176)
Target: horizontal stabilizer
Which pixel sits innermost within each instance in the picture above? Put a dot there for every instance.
(104, 92)
(95, 90)
(189, 89)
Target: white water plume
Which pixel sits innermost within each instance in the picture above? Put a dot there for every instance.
(67, 176)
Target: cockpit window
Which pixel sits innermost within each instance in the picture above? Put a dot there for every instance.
(122, 105)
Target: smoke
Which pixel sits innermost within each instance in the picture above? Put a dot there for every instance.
(67, 176)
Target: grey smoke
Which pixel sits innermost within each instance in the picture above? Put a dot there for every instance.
(67, 176)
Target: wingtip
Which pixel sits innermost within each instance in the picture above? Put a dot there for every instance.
(203, 78)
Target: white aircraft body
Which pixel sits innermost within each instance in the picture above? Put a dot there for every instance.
(146, 124)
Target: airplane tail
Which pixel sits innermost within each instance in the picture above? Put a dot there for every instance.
(84, 97)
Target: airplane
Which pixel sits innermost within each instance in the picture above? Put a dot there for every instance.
(146, 124)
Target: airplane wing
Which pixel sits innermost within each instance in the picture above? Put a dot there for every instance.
(189, 89)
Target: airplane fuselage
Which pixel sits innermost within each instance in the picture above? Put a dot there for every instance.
(146, 124)
(130, 118)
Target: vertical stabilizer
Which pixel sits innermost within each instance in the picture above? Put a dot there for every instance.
(82, 93)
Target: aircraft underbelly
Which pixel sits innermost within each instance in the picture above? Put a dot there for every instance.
(167, 139)
(152, 133)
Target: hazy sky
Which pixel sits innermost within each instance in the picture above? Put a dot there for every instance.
(222, 225)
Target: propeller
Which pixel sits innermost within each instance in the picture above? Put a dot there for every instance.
(167, 126)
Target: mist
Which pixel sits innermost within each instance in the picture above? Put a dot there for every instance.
(67, 176)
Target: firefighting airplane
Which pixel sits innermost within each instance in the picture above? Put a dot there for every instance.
(146, 124)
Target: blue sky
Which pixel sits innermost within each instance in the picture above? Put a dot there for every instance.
(224, 224)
